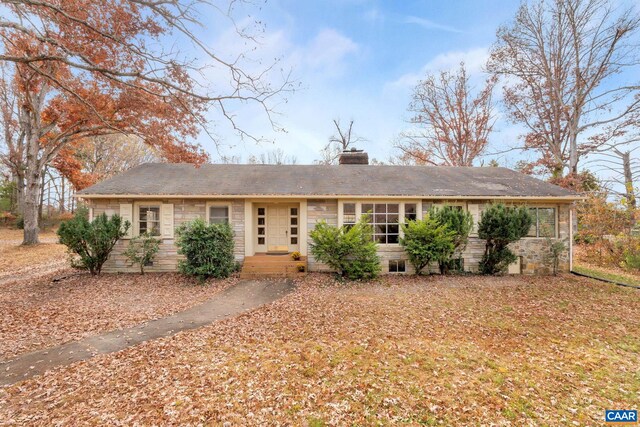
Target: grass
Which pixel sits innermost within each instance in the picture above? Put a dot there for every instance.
(607, 275)
(14, 256)
(399, 351)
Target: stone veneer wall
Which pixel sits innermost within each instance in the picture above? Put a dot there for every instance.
(184, 210)
(531, 250)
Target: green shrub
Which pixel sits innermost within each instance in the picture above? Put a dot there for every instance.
(20, 223)
(459, 222)
(92, 241)
(142, 250)
(208, 249)
(500, 225)
(632, 261)
(351, 252)
(426, 241)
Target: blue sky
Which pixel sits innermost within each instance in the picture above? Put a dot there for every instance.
(356, 59)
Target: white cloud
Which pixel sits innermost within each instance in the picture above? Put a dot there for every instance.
(328, 50)
(474, 61)
(430, 25)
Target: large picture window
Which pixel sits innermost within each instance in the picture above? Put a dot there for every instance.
(149, 219)
(385, 220)
(384, 217)
(544, 222)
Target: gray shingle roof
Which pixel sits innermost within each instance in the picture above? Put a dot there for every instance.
(165, 179)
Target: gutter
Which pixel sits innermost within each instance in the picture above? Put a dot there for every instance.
(320, 196)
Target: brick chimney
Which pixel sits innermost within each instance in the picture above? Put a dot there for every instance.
(353, 157)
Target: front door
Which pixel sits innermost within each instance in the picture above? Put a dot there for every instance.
(278, 228)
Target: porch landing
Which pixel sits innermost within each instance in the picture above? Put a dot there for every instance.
(265, 265)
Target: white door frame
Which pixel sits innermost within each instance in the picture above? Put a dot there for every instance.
(251, 224)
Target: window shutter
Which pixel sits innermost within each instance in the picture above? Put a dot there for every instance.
(126, 213)
(474, 210)
(166, 220)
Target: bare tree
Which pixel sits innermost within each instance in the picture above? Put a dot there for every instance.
(342, 140)
(105, 156)
(12, 147)
(560, 58)
(622, 166)
(273, 157)
(452, 125)
(80, 76)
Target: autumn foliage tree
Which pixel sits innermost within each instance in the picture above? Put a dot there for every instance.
(452, 124)
(571, 76)
(86, 68)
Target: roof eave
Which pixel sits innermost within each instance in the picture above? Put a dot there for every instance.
(322, 196)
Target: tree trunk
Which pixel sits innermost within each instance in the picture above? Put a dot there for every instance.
(62, 196)
(19, 181)
(31, 205)
(41, 203)
(32, 192)
(628, 180)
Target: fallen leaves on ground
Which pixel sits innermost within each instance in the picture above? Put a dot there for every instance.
(450, 351)
(581, 258)
(37, 314)
(15, 258)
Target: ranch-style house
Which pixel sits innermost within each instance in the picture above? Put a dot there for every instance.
(272, 208)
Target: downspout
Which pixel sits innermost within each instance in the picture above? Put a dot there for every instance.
(571, 237)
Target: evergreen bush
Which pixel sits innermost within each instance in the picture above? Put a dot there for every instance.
(208, 249)
(351, 252)
(427, 240)
(460, 223)
(92, 241)
(500, 225)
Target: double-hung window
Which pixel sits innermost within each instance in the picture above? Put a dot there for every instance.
(544, 222)
(149, 219)
(349, 217)
(218, 214)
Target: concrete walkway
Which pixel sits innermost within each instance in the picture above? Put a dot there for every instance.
(244, 296)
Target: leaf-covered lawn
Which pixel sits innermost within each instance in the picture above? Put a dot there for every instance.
(609, 272)
(39, 313)
(14, 258)
(450, 351)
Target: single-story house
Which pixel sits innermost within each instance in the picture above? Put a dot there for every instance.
(272, 208)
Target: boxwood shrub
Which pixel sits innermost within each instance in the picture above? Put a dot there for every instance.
(207, 248)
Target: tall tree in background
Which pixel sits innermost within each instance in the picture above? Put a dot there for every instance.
(79, 75)
(560, 58)
(452, 125)
(343, 139)
(273, 157)
(12, 147)
(97, 158)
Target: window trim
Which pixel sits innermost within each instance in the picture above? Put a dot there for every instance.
(136, 215)
(556, 221)
(397, 261)
(359, 202)
(227, 205)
